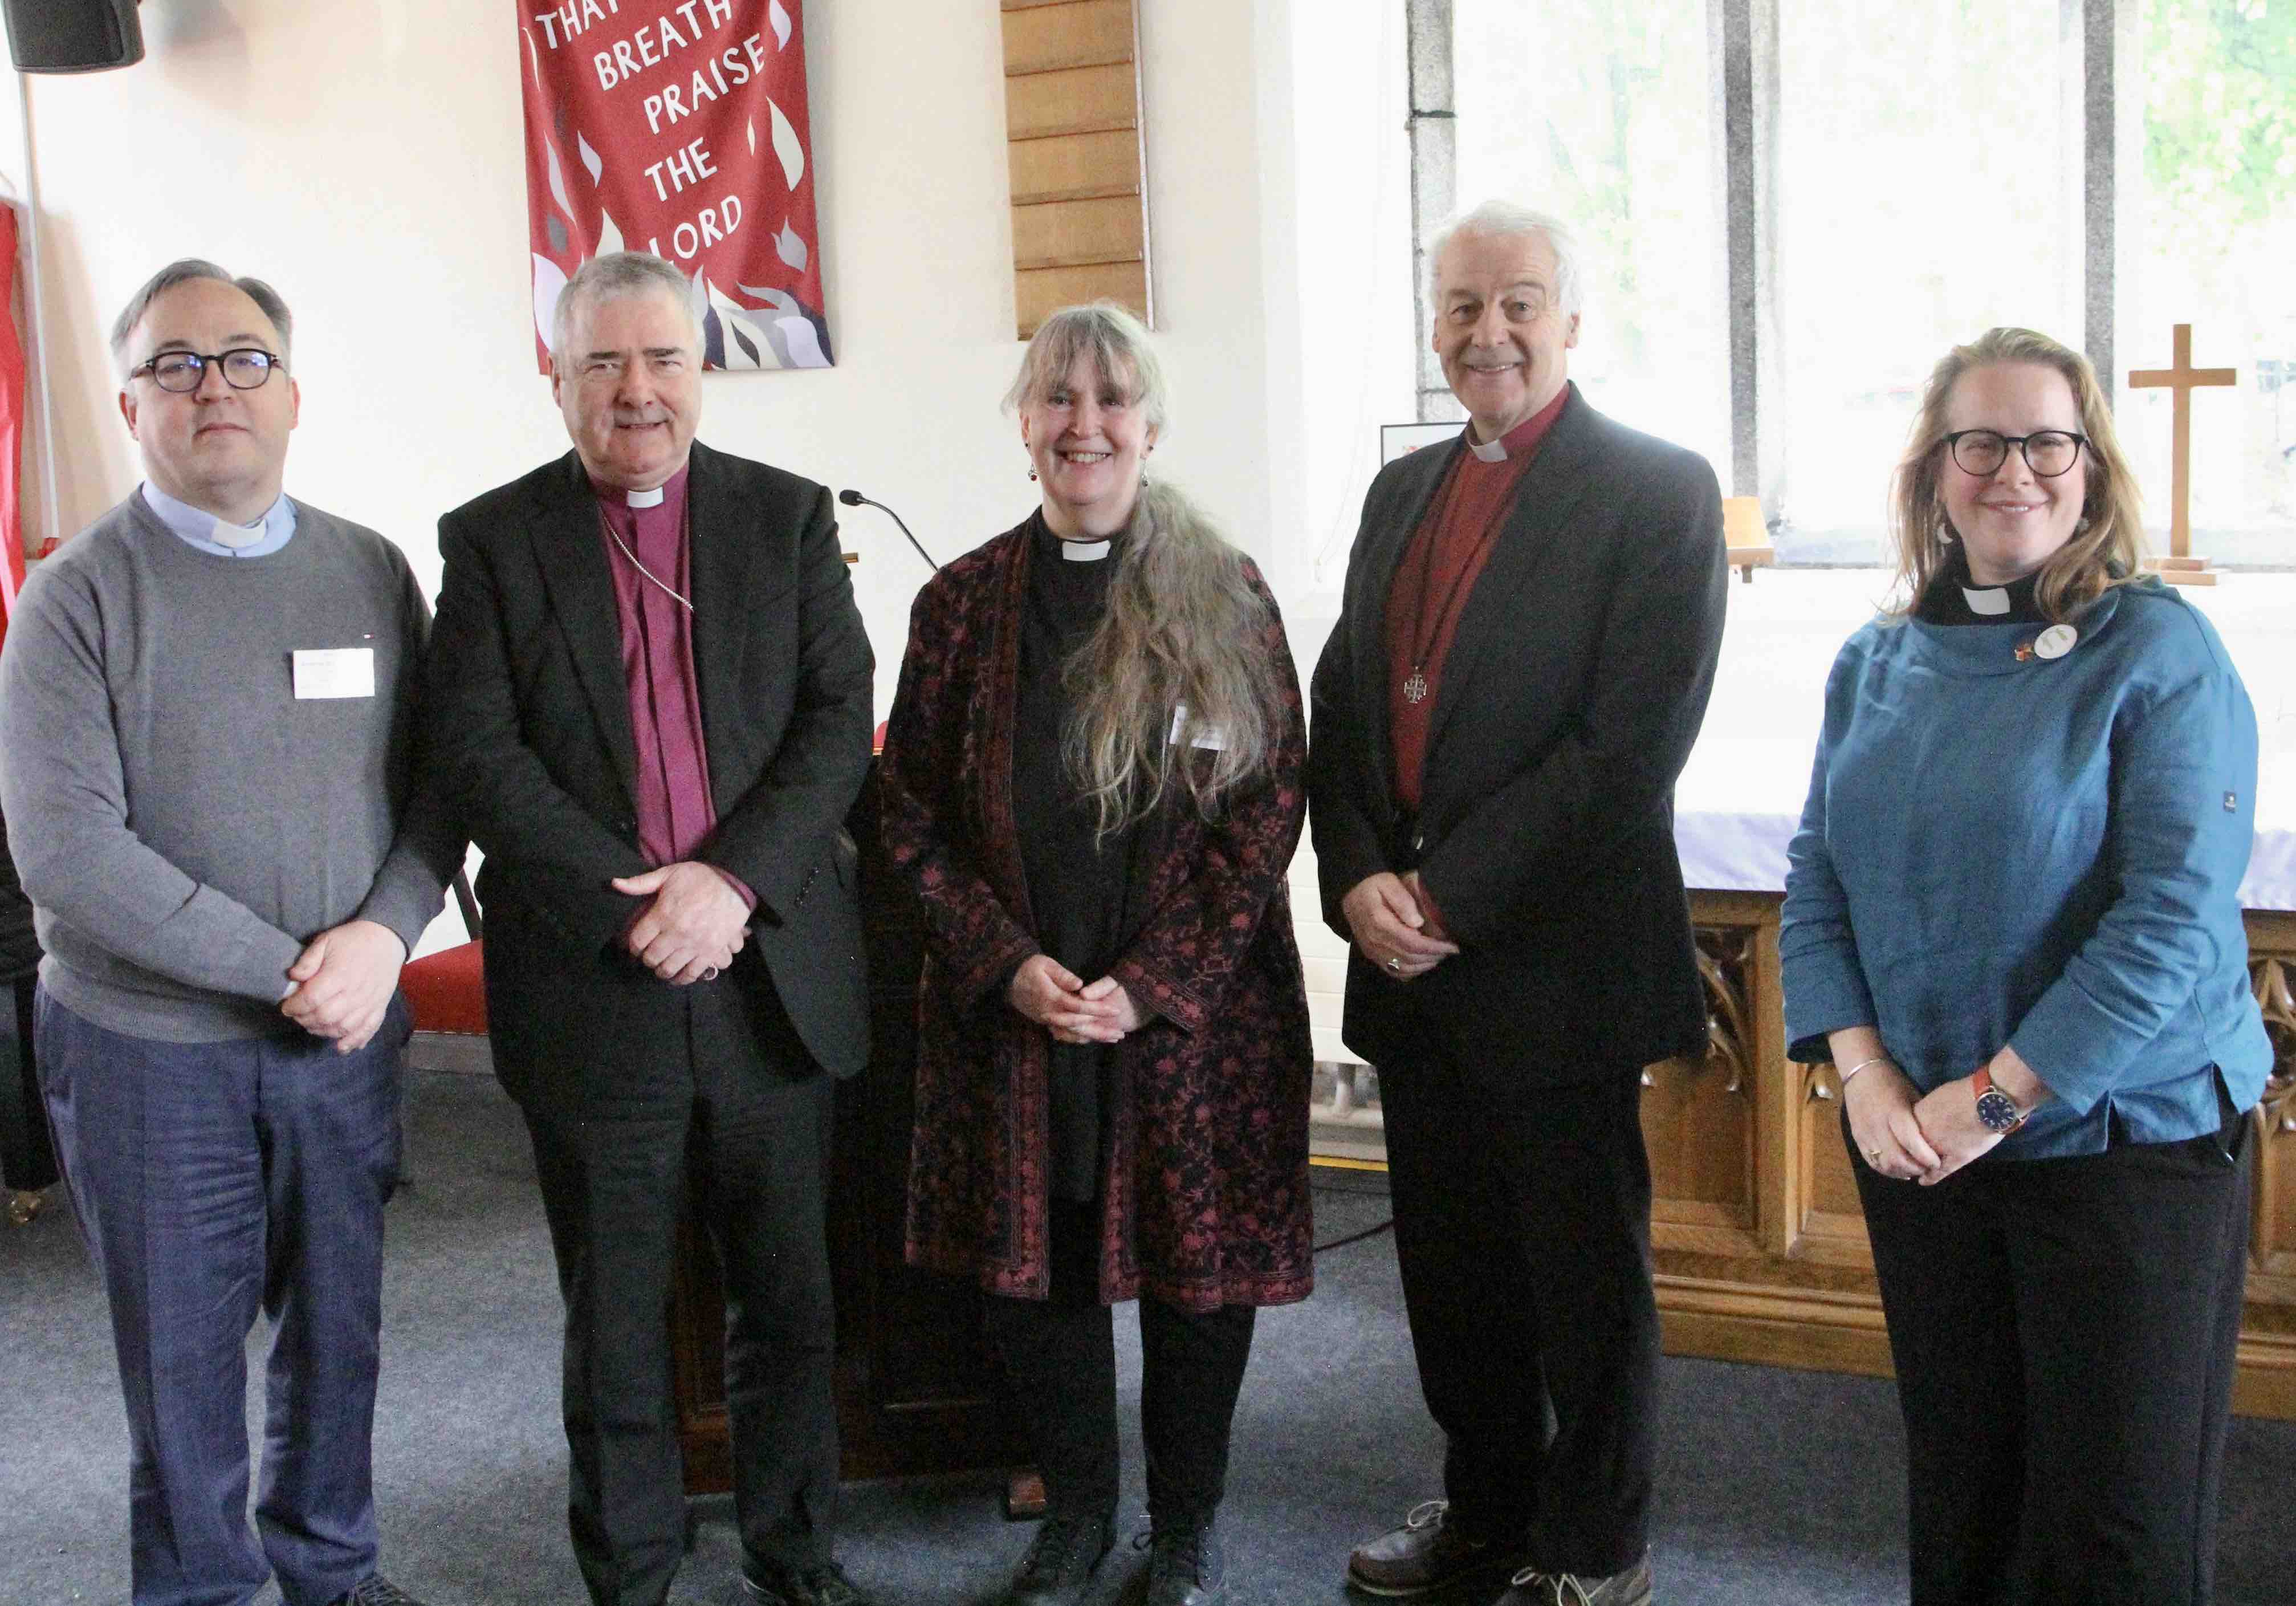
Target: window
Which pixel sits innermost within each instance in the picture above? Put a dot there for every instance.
(2213, 239)
(1598, 114)
(1916, 209)
(1793, 207)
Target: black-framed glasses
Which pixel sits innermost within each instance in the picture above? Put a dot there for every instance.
(2048, 452)
(244, 368)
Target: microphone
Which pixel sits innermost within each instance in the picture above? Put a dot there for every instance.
(852, 498)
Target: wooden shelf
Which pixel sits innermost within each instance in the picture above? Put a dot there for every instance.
(1077, 157)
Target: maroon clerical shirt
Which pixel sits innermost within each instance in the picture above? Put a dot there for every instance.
(675, 813)
(1437, 574)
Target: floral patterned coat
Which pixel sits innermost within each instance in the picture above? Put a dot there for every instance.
(1206, 1192)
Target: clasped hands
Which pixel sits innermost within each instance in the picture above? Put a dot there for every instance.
(339, 986)
(1393, 926)
(693, 925)
(1927, 1137)
(690, 925)
(1073, 1009)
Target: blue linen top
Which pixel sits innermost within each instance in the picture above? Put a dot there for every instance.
(2044, 852)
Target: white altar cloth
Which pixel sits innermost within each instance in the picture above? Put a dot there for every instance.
(1741, 794)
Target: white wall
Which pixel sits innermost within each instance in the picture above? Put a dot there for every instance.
(368, 160)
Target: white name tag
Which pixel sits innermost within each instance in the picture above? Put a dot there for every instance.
(1208, 737)
(334, 672)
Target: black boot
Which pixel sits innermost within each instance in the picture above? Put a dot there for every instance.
(1186, 1567)
(1057, 1570)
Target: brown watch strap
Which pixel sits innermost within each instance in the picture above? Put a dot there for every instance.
(1981, 1083)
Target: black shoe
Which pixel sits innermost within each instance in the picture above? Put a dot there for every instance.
(1186, 1567)
(1057, 1570)
(1427, 1553)
(822, 1584)
(376, 1590)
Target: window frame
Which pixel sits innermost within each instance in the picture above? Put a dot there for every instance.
(1742, 54)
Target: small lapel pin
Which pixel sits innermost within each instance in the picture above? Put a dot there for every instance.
(2055, 641)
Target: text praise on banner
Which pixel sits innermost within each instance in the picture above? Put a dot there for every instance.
(680, 127)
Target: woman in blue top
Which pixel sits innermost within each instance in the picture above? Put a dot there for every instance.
(2011, 920)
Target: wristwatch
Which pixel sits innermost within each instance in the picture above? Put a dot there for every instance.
(1994, 1108)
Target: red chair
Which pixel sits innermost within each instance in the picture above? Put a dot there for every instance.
(446, 990)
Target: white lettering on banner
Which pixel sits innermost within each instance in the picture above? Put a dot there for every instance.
(572, 18)
(728, 69)
(654, 42)
(688, 166)
(708, 226)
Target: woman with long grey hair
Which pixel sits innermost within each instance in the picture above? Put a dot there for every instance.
(1093, 772)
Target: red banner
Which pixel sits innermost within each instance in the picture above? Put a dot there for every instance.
(680, 127)
(13, 392)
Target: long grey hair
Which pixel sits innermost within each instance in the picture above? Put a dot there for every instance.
(1183, 627)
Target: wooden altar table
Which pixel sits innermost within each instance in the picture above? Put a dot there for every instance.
(1756, 1229)
(1759, 1240)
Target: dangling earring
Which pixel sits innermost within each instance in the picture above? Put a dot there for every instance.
(2080, 525)
(1032, 474)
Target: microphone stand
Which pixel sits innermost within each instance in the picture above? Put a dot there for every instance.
(851, 498)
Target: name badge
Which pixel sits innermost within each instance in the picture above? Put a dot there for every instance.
(1208, 737)
(334, 672)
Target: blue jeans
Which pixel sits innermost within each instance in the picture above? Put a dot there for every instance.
(213, 1181)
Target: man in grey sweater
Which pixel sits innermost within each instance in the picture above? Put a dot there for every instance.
(206, 721)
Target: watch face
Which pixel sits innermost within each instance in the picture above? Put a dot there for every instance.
(1998, 1113)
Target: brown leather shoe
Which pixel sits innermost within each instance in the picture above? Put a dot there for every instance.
(1532, 1588)
(1428, 1553)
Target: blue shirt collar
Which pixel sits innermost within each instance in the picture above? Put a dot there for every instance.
(196, 527)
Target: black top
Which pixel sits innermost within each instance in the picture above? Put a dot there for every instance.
(1076, 886)
(1946, 601)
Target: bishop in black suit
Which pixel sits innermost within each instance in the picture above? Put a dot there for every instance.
(1528, 636)
(652, 699)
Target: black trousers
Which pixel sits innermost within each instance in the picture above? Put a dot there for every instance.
(2063, 1331)
(1522, 1233)
(28, 1155)
(614, 1189)
(1060, 1361)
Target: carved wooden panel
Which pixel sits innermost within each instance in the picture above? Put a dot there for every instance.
(1078, 157)
(1747, 1136)
(1698, 1116)
(2272, 1244)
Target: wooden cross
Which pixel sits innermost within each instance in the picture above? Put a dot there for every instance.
(2183, 379)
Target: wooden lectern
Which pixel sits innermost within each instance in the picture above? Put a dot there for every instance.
(917, 1389)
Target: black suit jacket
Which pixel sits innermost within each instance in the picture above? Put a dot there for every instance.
(1574, 688)
(530, 735)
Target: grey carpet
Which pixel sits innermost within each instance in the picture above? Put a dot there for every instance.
(1775, 1488)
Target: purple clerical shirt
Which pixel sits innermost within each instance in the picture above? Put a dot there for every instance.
(674, 814)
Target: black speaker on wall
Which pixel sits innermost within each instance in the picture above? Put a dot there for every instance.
(73, 36)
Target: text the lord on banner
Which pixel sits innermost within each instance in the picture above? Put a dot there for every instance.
(680, 127)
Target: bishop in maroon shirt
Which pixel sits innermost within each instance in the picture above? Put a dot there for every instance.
(1523, 656)
(650, 702)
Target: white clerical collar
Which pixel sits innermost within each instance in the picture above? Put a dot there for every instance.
(1084, 551)
(1487, 451)
(206, 531)
(1988, 602)
(652, 498)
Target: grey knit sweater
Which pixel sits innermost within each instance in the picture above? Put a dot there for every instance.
(183, 823)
